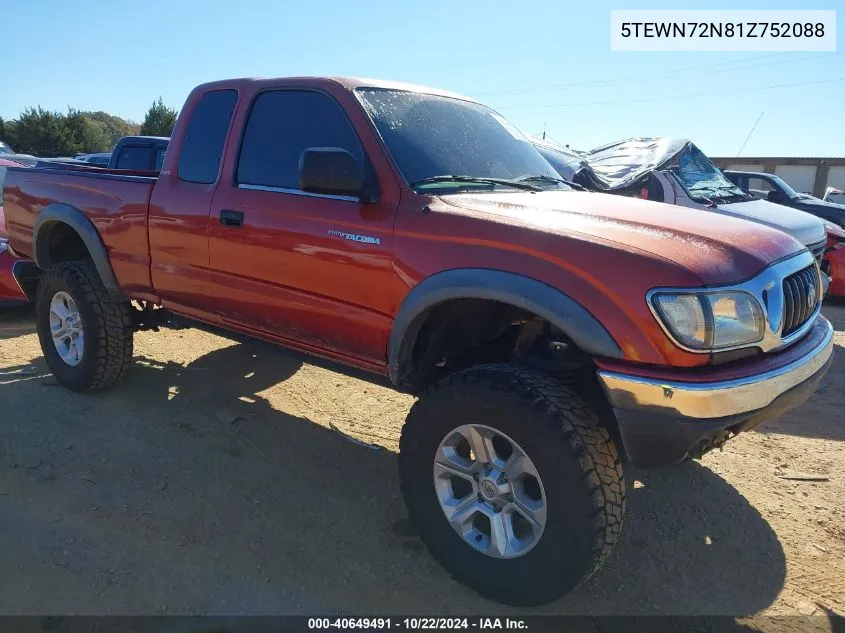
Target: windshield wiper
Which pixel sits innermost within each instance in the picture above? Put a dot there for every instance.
(550, 179)
(477, 180)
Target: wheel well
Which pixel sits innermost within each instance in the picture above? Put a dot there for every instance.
(461, 333)
(458, 333)
(59, 242)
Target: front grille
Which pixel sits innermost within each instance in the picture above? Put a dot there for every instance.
(800, 299)
(818, 250)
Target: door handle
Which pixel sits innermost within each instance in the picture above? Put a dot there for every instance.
(231, 218)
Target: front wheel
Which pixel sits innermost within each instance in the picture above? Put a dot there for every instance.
(512, 483)
(85, 333)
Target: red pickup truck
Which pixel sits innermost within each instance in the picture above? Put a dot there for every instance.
(551, 334)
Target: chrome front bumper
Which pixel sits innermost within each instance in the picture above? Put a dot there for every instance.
(705, 400)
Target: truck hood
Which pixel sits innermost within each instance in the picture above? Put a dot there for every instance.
(718, 249)
(805, 228)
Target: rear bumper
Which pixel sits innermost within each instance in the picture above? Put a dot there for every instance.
(662, 421)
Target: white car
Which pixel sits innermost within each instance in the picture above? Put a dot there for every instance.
(835, 195)
(675, 171)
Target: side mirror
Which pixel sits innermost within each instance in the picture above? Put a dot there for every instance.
(775, 196)
(332, 171)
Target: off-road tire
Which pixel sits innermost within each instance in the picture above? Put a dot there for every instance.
(577, 462)
(106, 324)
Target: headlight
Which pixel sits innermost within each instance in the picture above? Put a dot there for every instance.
(710, 320)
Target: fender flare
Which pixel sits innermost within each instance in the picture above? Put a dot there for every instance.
(58, 213)
(478, 283)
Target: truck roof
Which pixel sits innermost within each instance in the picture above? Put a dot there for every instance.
(746, 173)
(349, 83)
(144, 138)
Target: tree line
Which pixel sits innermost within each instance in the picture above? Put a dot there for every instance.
(49, 134)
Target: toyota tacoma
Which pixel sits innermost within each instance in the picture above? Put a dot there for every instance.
(552, 335)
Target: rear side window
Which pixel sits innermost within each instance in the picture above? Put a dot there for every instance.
(134, 157)
(160, 157)
(281, 125)
(202, 146)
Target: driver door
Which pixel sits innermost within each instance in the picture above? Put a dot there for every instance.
(312, 269)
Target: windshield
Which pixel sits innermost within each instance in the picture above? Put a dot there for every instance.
(431, 136)
(5, 149)
(703, 180)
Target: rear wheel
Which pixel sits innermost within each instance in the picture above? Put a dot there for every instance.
(85, 333)
(512, 483)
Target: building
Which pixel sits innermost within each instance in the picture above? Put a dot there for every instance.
(805, 175)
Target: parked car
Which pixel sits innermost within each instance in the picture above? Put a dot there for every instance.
(10, 292)
(4, 165)
(100, 159)
(23, 159)
(833, 263)
(772, 188)
(551, 334)
(675, 171)
(568, 163)
(139, 153)
(834, 194)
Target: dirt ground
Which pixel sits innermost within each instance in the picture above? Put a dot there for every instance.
(217, 479)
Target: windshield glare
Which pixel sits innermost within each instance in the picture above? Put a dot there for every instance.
(702, 179)
(5, 149)
(429, 135)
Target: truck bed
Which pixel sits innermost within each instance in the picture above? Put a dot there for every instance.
(115, 201)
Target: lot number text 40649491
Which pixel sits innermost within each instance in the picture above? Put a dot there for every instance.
(418, 623)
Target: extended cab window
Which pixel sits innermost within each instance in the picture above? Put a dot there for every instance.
(281, 125)
(202, 145)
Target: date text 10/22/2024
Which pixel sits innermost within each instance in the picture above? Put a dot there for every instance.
(418, 623)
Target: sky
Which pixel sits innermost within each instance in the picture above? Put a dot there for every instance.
(545, 64)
